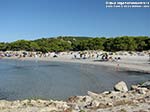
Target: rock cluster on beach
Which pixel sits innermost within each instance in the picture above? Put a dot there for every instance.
(135, 100)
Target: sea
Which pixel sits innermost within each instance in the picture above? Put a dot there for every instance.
(20, 79)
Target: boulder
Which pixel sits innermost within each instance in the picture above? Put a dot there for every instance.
(92, 94)
(134, 87)
(121, 86)
(142, 90)
(95, 103)
(139, 89)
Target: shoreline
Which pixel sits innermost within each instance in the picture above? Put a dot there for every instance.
(125, 65)
(137, 99)
(121, 100)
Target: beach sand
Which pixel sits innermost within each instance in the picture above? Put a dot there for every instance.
(127, 63)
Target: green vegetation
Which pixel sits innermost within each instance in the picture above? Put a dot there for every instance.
(124, 43)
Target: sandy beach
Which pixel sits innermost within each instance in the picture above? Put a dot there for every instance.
(127, 63)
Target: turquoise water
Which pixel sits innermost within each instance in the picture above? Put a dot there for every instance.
(58, 80)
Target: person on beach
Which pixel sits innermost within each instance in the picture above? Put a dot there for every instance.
(149, 56)
(20, 56)
(104, 57)
(117, 67)
(80, 55)
(75, 56)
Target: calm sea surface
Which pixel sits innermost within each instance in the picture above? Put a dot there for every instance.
(58, 80)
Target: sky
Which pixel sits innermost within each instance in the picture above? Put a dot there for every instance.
(33, 19)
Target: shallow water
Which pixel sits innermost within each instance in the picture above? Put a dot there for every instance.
(58, 80)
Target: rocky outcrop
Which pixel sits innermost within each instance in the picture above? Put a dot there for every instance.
(121, 86)
(135, 100)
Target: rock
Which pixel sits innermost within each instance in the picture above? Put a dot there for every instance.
(25, 102)
(110, 104)
(106, 92)
(61, 104)
(76, 107)
(95, 103)
(134, 87)
(92, 94)
(142, 90)
(73, 99)
(33, 102)
(121, 86)
(139, 89)
(4, 104)
(87, 99)
(16, 104)
(113, 101)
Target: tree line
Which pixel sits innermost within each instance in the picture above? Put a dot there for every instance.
(67, 43)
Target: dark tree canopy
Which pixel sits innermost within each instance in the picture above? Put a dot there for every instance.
(71, 43)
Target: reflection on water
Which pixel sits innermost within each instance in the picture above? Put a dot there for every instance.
(58, 80)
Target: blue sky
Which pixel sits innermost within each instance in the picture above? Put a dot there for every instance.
(32, 19)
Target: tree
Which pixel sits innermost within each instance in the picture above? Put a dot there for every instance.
(34, 46)
(95, 44)
(124, 43)
(141, 43)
